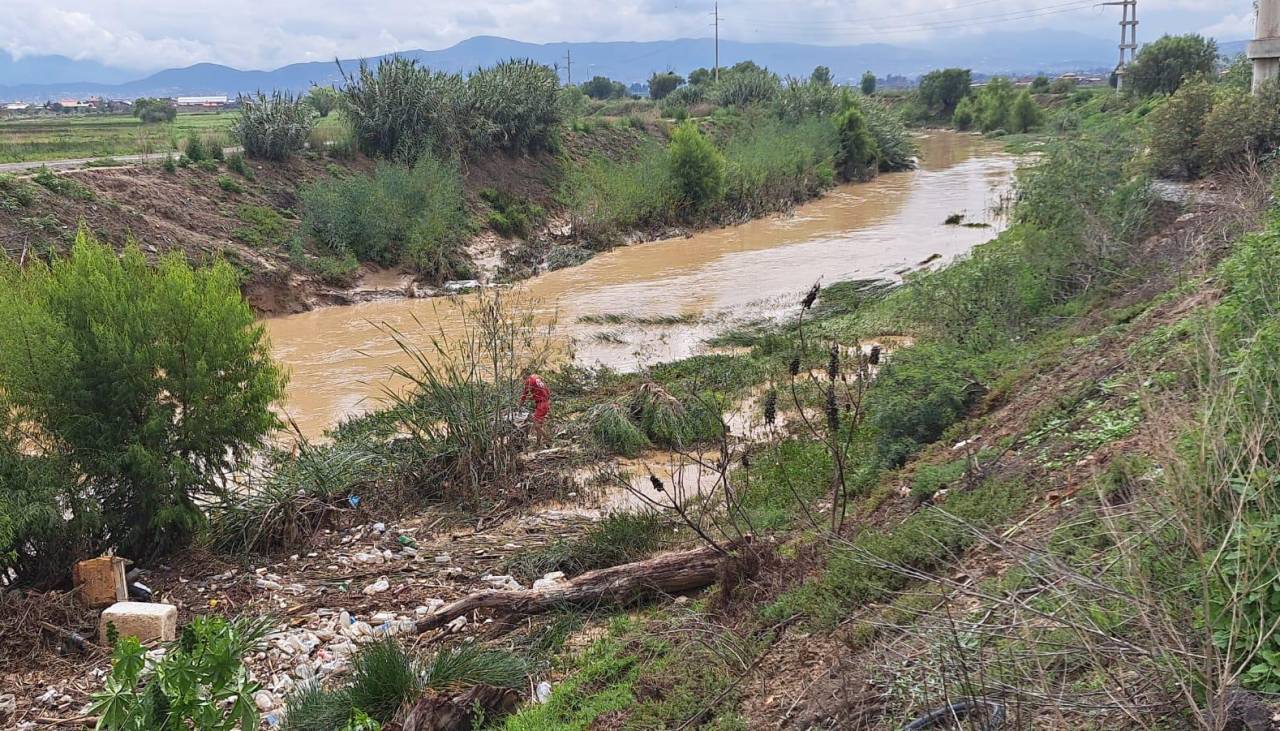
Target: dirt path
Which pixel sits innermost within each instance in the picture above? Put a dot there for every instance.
(83, 162)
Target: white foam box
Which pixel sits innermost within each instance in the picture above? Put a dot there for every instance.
(144, 620)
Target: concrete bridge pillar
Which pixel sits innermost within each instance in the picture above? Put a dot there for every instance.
(1265, 49)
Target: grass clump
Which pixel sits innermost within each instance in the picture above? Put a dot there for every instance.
(263, 226)
(236, 163)
(315, 708)
(229, 184)
(611, 429)
(273, 127)
(63, 185)
(511, 217)
(14, 193)
(469, 664)
(618, 538)
(384, 677)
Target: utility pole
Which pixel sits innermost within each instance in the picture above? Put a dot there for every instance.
(1128, 37)
(716, 13)
(1265, 48)
(568, 65)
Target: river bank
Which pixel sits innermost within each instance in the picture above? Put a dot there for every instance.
(658, 301)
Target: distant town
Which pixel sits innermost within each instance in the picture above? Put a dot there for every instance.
(100, 105)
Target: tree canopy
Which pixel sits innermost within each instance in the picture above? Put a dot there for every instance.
(1162, 66)
(942, 90)
(662, 84)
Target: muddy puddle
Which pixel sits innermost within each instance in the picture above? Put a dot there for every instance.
(659, 301)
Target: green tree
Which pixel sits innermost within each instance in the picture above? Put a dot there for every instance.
(151, 110)
(1062, 86)
(1161, 67)
(662, 84)
(1025, 114)
(966, 114)
(1040, 85)
(602, 87)
(154, 382)
(993, 104)
(1239, 74)
(323, 99)
(868, 83)
(940, 91)
(696, 166)
(859, 155)
(821, 75)
(700, 76)
(1174, 131)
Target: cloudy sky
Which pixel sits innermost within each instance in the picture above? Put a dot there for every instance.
(149, 35)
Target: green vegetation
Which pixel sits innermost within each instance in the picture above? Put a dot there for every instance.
(151, 110)
(868, 84)
(618, 538)
(511, 216)
(200, 680)
(859, 156)
(63, 185)
(144, 384)
(697, 169)
(602, 87)
(998, 106)
(399, 215)
(662, 84)
(323, 99)
(272, 127)
(1162, 66)
(941, 91)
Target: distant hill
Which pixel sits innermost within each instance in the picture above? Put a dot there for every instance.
(58, 70)
(1048, 51)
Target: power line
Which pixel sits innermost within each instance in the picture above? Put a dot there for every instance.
(716, 13)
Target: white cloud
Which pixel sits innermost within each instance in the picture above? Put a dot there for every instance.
(1232, 28)
(145, 34)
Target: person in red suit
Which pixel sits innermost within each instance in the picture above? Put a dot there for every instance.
(535, 390)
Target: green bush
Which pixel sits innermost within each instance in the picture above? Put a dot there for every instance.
(745, 85)
(200, 682)
(416, 216)
(194, 149)
(151, 111)
(323, 99)
(236, 164)
(896, 147)
(772, 164)
(511, 216)
(697, 168)
(63, 185)
(314, 708)
(922, 391)
(229, 185)
(1175, 130)
(154, 381)
(14, 193)
(517, 105)
(468, 665)
(859, 156)
(273, 127)
(798, 100)
(940, 91)
(402, 110)
(606, 197)
(662, 84)
(868, 84)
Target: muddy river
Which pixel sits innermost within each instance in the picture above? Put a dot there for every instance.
(339, 357)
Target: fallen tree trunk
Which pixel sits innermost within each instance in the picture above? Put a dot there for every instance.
(669, 573)
(459, 712)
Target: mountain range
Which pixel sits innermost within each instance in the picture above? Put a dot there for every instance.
(53, 77)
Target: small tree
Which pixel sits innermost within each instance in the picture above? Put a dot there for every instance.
(940, 91)
(859, 156)
(602, 87)
(151, 110)
(153, 382)
(966, 114)
(697, 167)
(1161, 67)
(868, 83)
(700, 76)
(323, 99)
(1025, 113)
(1175, 129)
(662, 84)
(1040, 85)
(821, 75)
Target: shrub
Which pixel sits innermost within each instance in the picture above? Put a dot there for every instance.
(697, 168)
(1040, 85)
(274, 127)
(511, 217)
(800, 99)
(683, 98)
(323, 99)
(896, 147)
(154, 398)
(868, 84)
(517, 104)
(605, 197)
(169, 166)
(200, 680)
(915, 398)
(859, 156)
(237, 165)
(14, 193)
(773, 164)
(1025, 114)
(1162, 66)
(400, 109)
(744, 86)
(1175, 130)
(207, 166)
(194, 149)
(468, 665)
(313, 708)
(563, 257)
(412, 215)
(229, 185)
(966, 114)
(602, 87)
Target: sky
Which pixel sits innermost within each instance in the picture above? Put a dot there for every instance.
(147, 35)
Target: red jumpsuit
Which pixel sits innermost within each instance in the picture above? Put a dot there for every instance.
(535, 389)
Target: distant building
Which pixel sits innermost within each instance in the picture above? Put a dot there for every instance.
(202, 102)
(17, 107)
(68, 106)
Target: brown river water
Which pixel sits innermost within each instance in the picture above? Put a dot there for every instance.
(339, 357)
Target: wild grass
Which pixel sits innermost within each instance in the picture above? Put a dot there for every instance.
(315, 708)
(612, 430)
(618, 538)
(63, 185)
(606, 198)
(614, 318)
(469, 664)
(384, 677)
